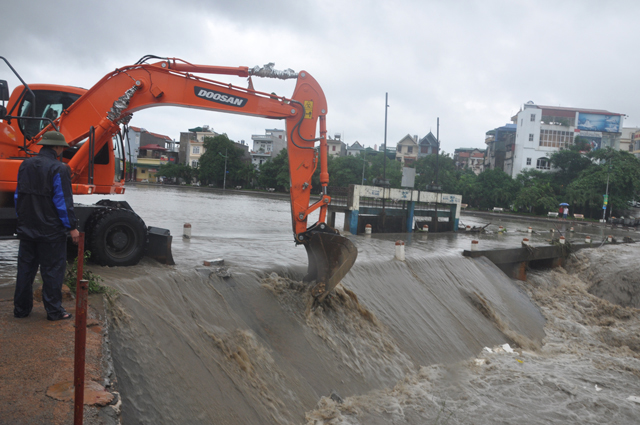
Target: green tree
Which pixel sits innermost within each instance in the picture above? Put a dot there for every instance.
(467, 186)
(275, 173)
(212, 163)
(447, 174)
(377, 170)
(181, 171)
(623, 172)
(567, 165)
(495, 189)
(346, 170)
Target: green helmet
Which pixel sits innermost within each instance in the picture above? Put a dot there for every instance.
(53, 138)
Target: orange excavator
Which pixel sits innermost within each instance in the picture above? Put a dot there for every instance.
(92, 122)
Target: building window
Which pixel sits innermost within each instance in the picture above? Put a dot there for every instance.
(196, 149)
(528, 161)
(533, 117)
(543, 164)
(531, 137)
(399, 148)
(555, 138)
(194, 164)
(333, 148)
(142, 171)
(410, 149)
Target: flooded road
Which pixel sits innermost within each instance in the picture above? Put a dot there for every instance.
(400, 342)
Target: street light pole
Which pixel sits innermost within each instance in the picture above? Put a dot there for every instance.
(364, 161)
(224, 179)
(606, 196)
(384, 159)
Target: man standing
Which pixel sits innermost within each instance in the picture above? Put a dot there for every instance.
(44, 206)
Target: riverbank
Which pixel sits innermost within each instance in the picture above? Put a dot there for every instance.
(36, 365)
(489, 215)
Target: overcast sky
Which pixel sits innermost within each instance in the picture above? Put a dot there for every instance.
(471, 63)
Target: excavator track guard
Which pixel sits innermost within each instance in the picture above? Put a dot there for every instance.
(331, 256)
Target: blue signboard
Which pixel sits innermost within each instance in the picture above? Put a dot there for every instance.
(598, 122)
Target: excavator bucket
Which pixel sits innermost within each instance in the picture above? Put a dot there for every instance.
(331, 256)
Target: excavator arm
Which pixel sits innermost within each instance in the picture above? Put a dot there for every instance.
(174, 82)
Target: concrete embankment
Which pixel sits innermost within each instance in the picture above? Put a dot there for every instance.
(36, 365)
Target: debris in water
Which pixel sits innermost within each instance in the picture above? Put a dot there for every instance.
(215, 262)
(336, 397)
(634, 398)
(221, 272)
(507, 348)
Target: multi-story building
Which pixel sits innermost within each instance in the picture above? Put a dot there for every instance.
(626, 138)
(267, 146)
(407, 149)
(470, 158)
(541, 130)
(192, 145)
(635, 144)
(355, 149)
(428, 145)
(336, 146)
(145, 160)
(500, 145)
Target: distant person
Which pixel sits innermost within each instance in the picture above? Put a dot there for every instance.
(565, 212)
(44, 206)
(560, 211)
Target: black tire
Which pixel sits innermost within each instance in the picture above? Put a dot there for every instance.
(116, 237)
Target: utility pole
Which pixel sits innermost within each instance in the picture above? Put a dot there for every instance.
(224, 179)
(384, 159)
(364, 161)
(437, 148)
(606, 196)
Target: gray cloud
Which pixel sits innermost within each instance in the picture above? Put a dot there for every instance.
(471, 63)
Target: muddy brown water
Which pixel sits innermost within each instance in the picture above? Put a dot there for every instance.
(400, 342)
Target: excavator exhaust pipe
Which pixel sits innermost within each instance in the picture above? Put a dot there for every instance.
(331, 256)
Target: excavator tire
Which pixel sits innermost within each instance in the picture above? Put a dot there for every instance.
(116, 237)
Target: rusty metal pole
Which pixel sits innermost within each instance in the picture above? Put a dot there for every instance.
(82, 292)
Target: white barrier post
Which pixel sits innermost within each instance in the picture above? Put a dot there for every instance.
(529, 229)
(474, 245)
(367, 229)
(587, 239)
(610, 238)
(525, 241)
(400, 250)
(561, 240)
(571, 229)
(500, 229)
(468, 228)
(186, 232)
(425, 228)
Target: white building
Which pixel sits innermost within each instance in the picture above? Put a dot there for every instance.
(355, 149)
(542, 130)
(192, 145)
(407, 149)
(336, 146)
(267, 146)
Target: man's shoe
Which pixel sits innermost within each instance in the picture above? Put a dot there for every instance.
(63, 316)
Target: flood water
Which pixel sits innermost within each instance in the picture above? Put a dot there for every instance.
(398, 343)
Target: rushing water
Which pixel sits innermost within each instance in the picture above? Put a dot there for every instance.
(399, 342)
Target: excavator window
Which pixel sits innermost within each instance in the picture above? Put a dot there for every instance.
(49, 104)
